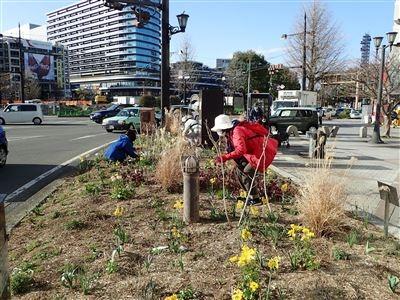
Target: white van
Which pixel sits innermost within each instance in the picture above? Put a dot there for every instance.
(21, 113)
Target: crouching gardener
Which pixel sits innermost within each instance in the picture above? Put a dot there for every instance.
(123, 147)
(249, 146)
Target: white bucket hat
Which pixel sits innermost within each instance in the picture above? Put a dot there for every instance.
(222, 122)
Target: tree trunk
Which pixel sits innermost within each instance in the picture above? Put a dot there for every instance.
(387, 122)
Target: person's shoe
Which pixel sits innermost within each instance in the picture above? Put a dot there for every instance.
(254, 201)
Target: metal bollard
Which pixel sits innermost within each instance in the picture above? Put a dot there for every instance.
(191, 190)
(312, 141)
(363, 132)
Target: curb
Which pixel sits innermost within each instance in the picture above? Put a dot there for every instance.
(17, 211)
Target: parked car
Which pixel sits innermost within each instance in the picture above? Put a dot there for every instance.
(303, 118)
(329, 111)
(128, 117)
(355, 114)
(3, 147)
(22, 113)
(110, 111)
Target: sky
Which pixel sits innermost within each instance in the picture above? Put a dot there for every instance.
(218, 28)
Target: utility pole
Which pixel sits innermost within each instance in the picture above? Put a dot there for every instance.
(304, 76)
(248, 85)
(21, 65)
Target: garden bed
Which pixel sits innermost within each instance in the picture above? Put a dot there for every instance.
(113, 232)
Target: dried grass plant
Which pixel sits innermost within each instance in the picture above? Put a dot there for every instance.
(173, 122)
(169, 167)
(321, 200)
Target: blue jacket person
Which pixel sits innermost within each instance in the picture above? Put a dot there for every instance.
(122, 148)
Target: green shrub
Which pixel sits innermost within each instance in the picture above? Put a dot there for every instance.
(340, 254)
(344, 114)
(21, 280)
(92, 189)
(75, 225)
(353, 238)
(147, 101)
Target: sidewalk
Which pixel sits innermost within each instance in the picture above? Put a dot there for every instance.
(361, 163)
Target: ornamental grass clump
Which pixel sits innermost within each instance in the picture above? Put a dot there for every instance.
(168, 169)
(321, 202)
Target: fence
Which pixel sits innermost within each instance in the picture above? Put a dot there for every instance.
(4, 276)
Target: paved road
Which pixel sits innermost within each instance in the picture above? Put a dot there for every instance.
(37, 149)
(371, 163)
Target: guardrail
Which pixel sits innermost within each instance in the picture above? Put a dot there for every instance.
(4, 275)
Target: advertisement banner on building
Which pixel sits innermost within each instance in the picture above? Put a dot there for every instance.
(36, 44)
(39, 66)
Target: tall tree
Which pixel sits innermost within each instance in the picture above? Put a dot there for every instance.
(184, 70)
(284, 77)
(238, 70)
(32, 88)
(367, 75)
(324, 44)
(8, 88)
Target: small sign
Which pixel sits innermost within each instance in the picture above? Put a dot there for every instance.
(388, 191)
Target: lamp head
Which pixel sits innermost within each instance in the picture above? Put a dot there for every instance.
(378, 41)
(391, 36)
(182, 21)
(284, 37)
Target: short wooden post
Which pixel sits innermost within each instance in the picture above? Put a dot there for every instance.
(388, 194)
(334, 131)
(191, 190)
(4, 276)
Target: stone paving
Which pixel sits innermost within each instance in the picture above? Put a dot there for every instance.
(360, 162)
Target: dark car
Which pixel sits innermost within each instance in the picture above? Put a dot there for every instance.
(111, 111)
(3, 147)
(303, 118)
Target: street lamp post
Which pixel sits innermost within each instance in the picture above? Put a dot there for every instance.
(166, 32)
(391, 37)
(304, 65)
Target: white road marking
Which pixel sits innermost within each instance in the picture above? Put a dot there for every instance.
(20, 138)
(49, 172)
(87, 136)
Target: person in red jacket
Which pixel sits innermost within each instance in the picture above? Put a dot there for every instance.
(250, 146)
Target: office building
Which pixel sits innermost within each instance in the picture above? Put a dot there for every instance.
(195, 78)
(396, 27)
(25, 61)
(223, 64)
(365, 49)
(106, 50)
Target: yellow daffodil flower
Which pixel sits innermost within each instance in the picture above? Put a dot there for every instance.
(213, 180)
(118, 212)
(273, 263)
(307, 234)
(237, 294)
(242, 194)
(247, 255)
(254, 211)
(245, 234)
(233, 259)
(264, 201)
(178, 204)
(172, 297)
(239, 205)
(176, 233)
(284, 187)
(253, 286)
